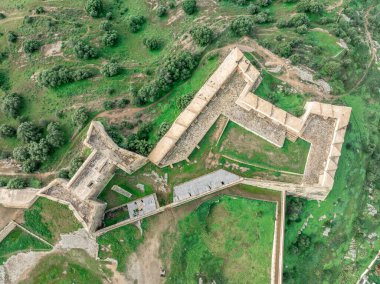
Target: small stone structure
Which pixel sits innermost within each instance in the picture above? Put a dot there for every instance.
(121, 191)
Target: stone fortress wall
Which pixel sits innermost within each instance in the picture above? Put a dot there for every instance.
(322, 125)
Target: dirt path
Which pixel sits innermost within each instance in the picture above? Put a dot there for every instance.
(335, 5)
(372, 49)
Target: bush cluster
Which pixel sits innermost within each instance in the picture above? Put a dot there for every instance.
(110, 38)
(84, 51)
(12, 37)
(111, 69)
(202, 35)
(115, 104)
(311, 6)
(31, 46)
(152, 43)
(136, 23)
(183, 101)
(7, 131)
(11, 105)
(161, 11)
(80, 116)
(60, 75)
(36, 149)
(189, 6)
(94, 8)
(175, 68)
(242, 25)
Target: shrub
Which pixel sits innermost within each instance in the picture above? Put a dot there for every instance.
(253, 9)
(202, 35)
(330, 68)
(84, 51)
(2, 16)
(11, 105)
(75, 164)
(301, 29)
(55, 135)
(152, 43)
(111, 69)
(28, 132)
(298, 20)
(81, 74)
(177, 67)
(108, 105)
(294, 209)
(141, 147)
(284, 49)
(56, 76)
(16, 183)
(164, 127)
(94, 8)
(242, 25)
(144, 130)
(80, 116)
(310, 6)
(183, 101)
(39, 151)
(262, 17)
(7, 131)
(63, 174)
(161, 11)
(110, 38)
(122, 103)
(29, 166)
(264, 3)
(189, 6)
(109, 16)
(136, 23)
(3, 56)
(40, 10)
(31, 46)
(21, 153)
(105, 26)
(12, 37)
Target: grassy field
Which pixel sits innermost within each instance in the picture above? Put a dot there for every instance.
(240, 144)
(328, 258)
(72, 267)
(19, 241)
(49, 219)
(226, 239)
(119, 244)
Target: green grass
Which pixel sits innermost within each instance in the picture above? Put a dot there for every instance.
(226, 239)
(240, 144)
(73, 267)
(269, 90)
(346, 216)
(119, 244)
(325, 41)
(126, 182)
(49, 219)
(19, 241)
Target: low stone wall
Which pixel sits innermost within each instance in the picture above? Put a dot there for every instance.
(6, 230)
